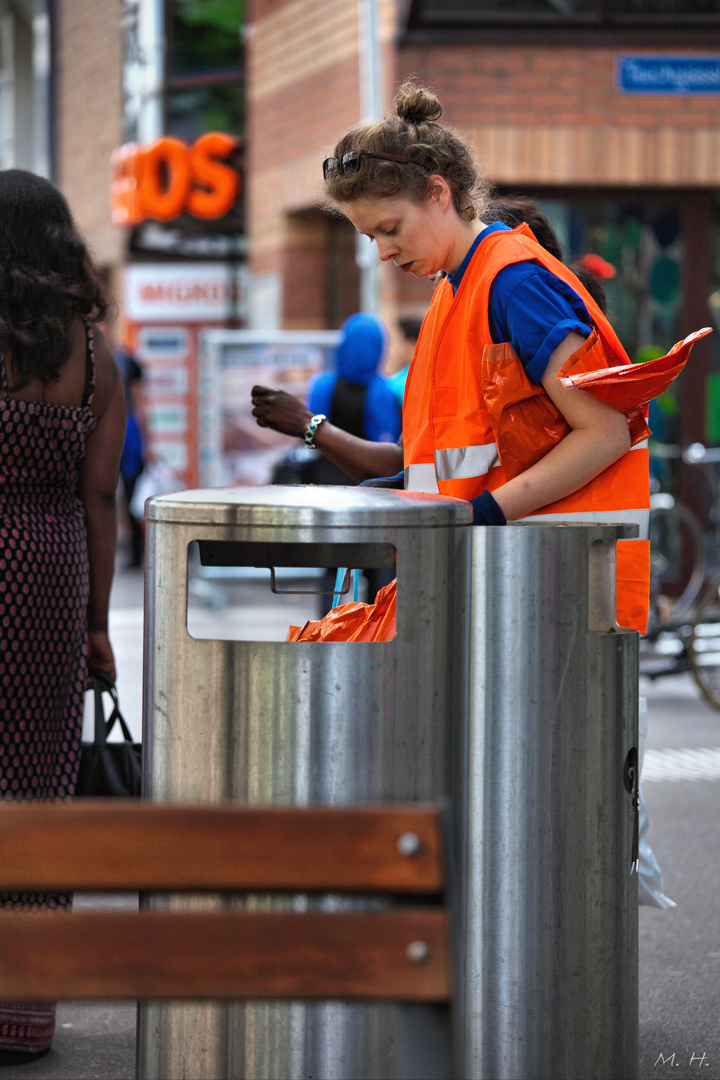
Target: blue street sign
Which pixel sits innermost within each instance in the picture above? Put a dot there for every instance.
(668, 74)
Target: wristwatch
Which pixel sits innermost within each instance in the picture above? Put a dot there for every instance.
(310, 430)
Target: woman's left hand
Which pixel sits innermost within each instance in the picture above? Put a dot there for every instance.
(99, 654)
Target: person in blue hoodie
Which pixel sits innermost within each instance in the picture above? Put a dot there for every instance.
(354, 396)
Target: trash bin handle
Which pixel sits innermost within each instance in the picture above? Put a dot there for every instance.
(311, 592)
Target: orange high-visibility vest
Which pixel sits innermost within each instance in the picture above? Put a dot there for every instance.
(472, 419)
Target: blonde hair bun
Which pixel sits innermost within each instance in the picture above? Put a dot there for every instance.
(417, 104)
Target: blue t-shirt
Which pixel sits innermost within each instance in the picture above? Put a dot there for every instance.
(530, 308)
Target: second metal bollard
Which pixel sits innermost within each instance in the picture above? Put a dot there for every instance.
(552, 961)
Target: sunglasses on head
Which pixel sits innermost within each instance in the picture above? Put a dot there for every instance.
(349, 163)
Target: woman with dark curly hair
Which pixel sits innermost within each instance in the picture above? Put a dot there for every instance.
(62, 423)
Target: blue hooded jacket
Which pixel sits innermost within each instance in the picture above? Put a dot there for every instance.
(357, 358)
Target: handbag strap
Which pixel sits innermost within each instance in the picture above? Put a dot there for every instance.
(103, 684)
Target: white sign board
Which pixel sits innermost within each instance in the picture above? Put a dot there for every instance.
(233, 449)
(196, 292)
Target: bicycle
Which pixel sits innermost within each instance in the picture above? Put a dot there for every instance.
(703, 646)
(678, 560)
(684, 630)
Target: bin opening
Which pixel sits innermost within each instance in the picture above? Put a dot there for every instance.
(251, 591)
(248, 553)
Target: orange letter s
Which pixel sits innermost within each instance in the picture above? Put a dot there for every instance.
(219, 180)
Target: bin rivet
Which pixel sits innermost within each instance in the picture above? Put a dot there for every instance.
(408, 843)
(417, 952)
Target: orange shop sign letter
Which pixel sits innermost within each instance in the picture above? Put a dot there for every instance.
(168, 178)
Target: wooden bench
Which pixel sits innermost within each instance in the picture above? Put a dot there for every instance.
(398, 953)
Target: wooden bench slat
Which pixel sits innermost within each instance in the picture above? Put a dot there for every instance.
(99, 845)
(319, 955)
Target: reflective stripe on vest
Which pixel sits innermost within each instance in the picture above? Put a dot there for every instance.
(472, 462)
(465, 462)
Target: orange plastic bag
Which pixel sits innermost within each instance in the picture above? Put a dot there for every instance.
(353, 622)
(527, 424)
(629, 388)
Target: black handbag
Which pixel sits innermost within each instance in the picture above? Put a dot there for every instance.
(109, 768)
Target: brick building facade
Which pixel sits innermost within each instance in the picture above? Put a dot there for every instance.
(553, 115)
(303, 86)
(89, 120)
(635, 173)
(630, 176)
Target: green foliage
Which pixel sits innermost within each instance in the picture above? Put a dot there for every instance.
(225, 15)
(205, 36)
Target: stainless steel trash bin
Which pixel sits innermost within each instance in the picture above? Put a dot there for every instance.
(552, 961)
(275, 722)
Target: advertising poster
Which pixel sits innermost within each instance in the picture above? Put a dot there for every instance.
(233, 449)
(167, 306)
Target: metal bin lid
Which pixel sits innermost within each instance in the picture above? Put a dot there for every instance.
(295, 505)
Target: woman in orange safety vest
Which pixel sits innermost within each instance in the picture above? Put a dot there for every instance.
(490, 412)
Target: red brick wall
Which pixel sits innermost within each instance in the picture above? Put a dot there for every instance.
(535, 115)
(319, 270)
(531, 85)
(303, 92)
(553, 115)
(306, 117)
(260, 9)
(304, 271)
(89, 116)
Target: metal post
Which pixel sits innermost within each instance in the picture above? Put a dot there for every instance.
(370, 70)
(552, 975)
(42, 82)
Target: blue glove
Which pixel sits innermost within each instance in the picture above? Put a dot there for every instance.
(486, 511)
(397, 482)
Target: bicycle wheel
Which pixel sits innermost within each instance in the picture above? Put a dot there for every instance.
(704, 645)
(677, 558)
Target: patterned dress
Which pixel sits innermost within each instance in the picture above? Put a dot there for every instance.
(44, 583)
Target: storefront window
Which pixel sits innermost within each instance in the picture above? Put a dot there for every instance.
(676, 10)
(205, 67)
(640, 267)
(470, 11)
(712, 400)
(642, 245)
(427, 14)
(204, 37)
(195, 109)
